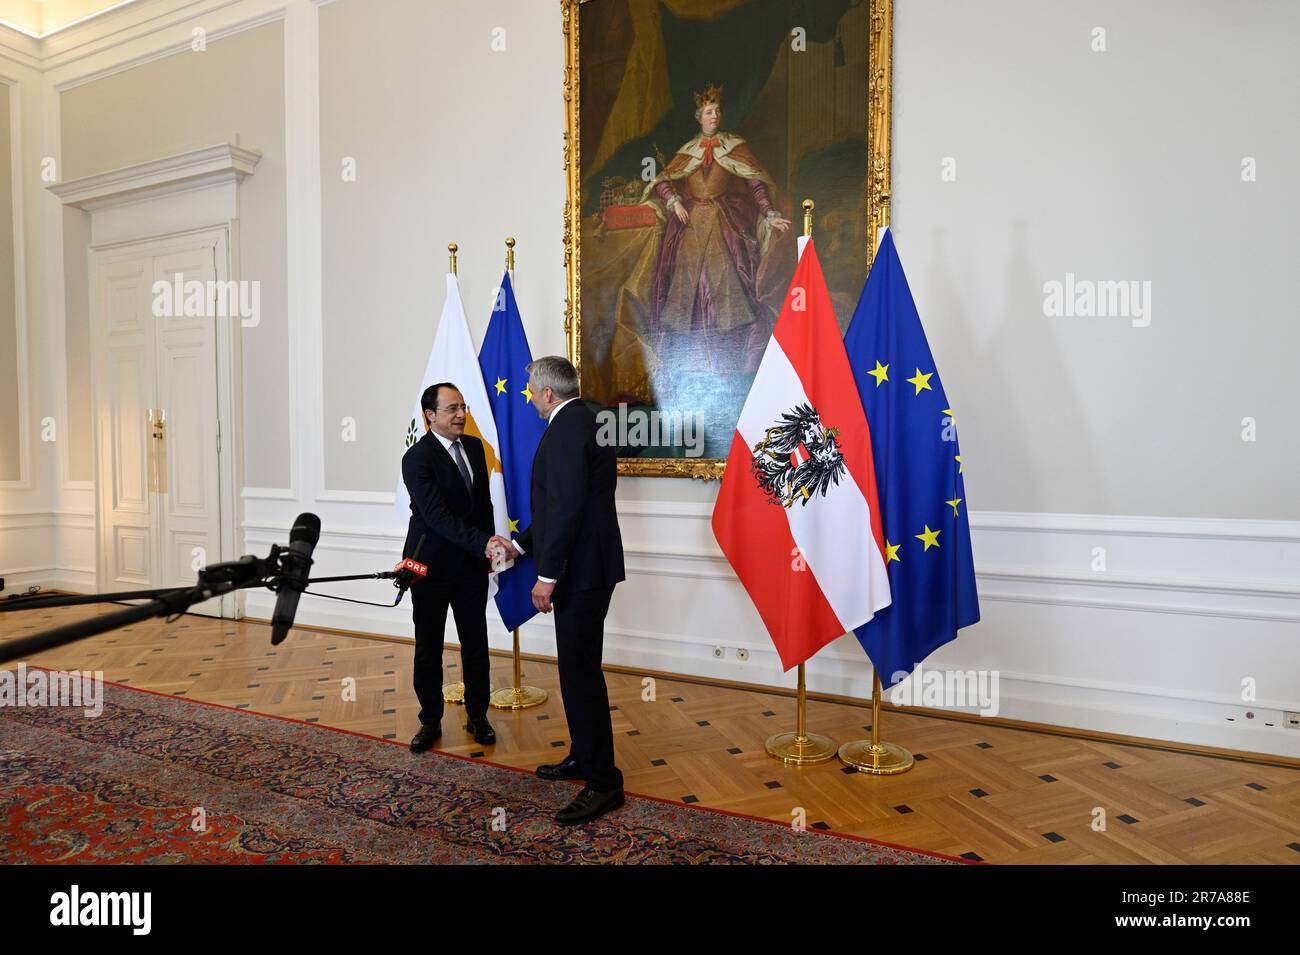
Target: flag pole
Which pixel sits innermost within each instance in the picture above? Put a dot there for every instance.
(801, 748)
(871, 755)
(516, 696)
(454, 692)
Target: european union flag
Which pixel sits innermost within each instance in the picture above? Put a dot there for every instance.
(502, 358)
(918, 476)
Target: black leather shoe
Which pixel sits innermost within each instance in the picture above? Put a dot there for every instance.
(565, 769)
(425, 739)
(481, 730)
(589, 805)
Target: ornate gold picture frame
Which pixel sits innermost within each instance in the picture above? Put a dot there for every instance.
(623, 92)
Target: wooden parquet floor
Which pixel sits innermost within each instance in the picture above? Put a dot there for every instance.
(987, 792)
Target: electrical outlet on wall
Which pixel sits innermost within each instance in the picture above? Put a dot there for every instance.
(742, 654)
(719, 652)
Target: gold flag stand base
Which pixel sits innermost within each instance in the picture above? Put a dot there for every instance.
(884, 759)
(800, 748)
(871, 755)
(794, 750)
(455, 692)
(518, 697)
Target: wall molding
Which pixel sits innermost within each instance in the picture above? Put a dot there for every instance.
(193, 169)
(303, 253)
(1181, 594)
(22, 332)
(149, 29)
(20, 49)
(1033, 524)
(1208, 527)
(385, 498)
(158, 28)
(249, 493)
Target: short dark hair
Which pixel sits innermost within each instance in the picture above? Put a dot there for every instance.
(429, 400)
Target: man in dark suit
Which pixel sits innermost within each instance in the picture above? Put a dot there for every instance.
(446, 477)
(575, 541)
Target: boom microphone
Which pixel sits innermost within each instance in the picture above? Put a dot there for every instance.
(293, 579)
(409, 570)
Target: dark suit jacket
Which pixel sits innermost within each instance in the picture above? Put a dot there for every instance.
(574, 536)
(454, 523)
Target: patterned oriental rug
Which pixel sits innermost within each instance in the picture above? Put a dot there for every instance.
(160, 779)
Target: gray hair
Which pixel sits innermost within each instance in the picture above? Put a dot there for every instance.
(555, 373)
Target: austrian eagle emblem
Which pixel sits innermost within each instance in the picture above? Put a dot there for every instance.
(798, 458)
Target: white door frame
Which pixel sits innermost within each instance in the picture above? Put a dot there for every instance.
(187, 192)
(225, 239)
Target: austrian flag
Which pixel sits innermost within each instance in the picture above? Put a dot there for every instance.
(797, 514)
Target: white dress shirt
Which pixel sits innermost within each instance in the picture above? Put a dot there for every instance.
(447, 443)
(556, 410)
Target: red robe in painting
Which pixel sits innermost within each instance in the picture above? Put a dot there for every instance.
(705, 278)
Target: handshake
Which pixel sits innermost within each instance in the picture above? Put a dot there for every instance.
(501, 552)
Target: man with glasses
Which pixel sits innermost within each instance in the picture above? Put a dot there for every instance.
(451, 525)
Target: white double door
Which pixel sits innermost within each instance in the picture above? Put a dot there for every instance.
(156, 406)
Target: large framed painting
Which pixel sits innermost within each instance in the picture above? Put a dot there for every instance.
(695, 129)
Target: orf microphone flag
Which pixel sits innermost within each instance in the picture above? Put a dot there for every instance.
(797, 515)
(918, 476)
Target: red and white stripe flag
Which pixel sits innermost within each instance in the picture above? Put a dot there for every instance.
(797, 514)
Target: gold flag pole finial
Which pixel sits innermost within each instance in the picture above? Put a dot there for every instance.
(807, 216)
(871, 755)
(800, 748)
(452, 248)
(510, 253)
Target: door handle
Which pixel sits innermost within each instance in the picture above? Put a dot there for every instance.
(157, 450)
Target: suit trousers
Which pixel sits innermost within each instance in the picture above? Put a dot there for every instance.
(467, 597)
(580, 638)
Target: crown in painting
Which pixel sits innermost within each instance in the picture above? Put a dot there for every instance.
(711, 95)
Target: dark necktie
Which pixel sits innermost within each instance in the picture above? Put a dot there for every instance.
(460, 463)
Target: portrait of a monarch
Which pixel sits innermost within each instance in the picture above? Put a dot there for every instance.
(701, 126)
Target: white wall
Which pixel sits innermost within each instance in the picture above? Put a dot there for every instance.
(1116, 165)
(230, 91)
(29, 509)
(1078, 433)
(451, 142)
